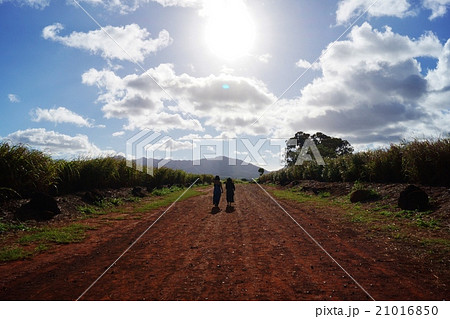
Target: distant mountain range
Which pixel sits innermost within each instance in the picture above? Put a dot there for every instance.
(215, 166)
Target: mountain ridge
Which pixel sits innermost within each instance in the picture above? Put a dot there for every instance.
(215, 166)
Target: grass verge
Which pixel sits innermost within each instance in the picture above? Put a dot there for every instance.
(407, 226)
(35, 240)
(166, 200)
(63, 235)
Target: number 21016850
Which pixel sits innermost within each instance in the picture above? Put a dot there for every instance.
(404, 311)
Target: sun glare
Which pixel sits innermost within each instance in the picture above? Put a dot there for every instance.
(230, 31)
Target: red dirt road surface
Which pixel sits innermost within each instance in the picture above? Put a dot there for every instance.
(255, 252)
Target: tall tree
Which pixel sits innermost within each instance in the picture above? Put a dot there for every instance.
(261, 171)
(328, 146)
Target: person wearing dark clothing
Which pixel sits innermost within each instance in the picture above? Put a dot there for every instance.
(218, 190)
(229, 185)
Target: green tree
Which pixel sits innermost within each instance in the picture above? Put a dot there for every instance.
(328, 146)
(261, 171)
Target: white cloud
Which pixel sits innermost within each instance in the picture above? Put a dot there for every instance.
(56, 144)
(180, 3)
(265, 58)
(174, 145)
(135, 42)
(13, 98)
(192, 136)
(119, 133)
(38, 4)
(438, 7)
(303, 64)
(226, 102)
(59, 115)
(350, 9)
(372, 89)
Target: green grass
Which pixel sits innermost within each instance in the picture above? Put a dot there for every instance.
(167, 200)
(116, 201)
(358, 213)
(63, 235)
(89, 210)
(13, 253)
(294, 194)
(436, 241)
(5, 227)
(165, 191)
(324, 194)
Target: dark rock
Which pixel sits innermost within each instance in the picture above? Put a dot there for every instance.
(413, 198)
(137, 192)
(93, 197)
(40, 207)
(362, 195)
(284, 182)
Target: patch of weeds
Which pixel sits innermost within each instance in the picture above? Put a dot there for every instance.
(161, 191)
(165, 190)
(167, 200)
(64, 235)
(357, 185)
(5, 227)
(432, 223)
(41, 247)
(390, 227)
(324, 194)
(387, 213)
(420, 219)
(13, 253)
(294, 194)
(436, 242)
(116, 201)
(89, 210)
(357, 219)
(133, 199)
(400, 236)
(104, 203)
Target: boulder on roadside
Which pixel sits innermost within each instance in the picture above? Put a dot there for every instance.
(40, 207)
(413, 198)
(137, 192)
(362, 195)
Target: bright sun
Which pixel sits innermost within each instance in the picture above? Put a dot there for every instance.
(230, 31)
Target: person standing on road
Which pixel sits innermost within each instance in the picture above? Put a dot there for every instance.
(229, 186)
(218, 190)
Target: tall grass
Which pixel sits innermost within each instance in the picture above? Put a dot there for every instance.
(24, 171)
(425, 162)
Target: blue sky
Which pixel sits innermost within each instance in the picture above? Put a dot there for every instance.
(195, 69)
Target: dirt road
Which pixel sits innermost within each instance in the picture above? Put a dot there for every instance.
(255, 252)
